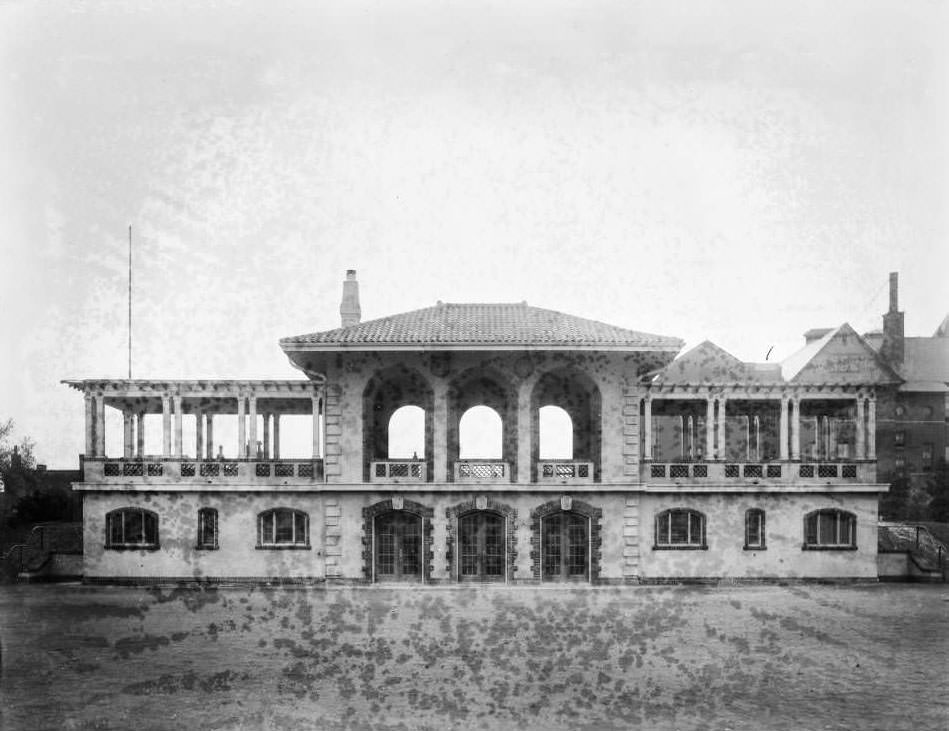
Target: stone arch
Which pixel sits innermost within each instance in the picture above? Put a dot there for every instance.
(578, 394)
(370, 512)
(386, 391)
(484, 387)
(567, 504)
(487, 504)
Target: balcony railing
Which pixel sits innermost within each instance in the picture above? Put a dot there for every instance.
(483, 471)
(565, 472)
(396, 471)
(767, 472)
(169, 471)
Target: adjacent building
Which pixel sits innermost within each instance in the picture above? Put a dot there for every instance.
(697, 467)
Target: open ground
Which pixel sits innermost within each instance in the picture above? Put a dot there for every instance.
(737, 657)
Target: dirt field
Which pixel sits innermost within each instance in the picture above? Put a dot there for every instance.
(804, 657)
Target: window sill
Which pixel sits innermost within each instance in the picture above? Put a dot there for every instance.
(206, 548)
(149, 547)
(288, 547)
(754, 548)
(680, 548)
(806, 547)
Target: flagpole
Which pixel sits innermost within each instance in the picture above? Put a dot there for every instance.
(130, 302)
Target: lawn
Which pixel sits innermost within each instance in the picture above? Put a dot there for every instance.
(762, 657)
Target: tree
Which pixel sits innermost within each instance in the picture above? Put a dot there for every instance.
(11, 452)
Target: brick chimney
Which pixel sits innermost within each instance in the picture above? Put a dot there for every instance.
(892, 347)
(349, 311)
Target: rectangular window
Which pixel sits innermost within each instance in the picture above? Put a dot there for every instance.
(927, 457)
(207, 528)
(899, 438)
(754, 529)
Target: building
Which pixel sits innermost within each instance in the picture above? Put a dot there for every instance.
(700, 467)
(913, 418)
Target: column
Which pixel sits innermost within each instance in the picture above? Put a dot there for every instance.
(872, 429)
(140, 433)
(165, 426)
(647, 428)
(783, 430)
(440, 464)
(252, 427)
(722, 419)
(266, 436)
(861, 447)
(198, 434)
(90, 425)
(241, 428)
(100, 425)
(796, 429)
(525, 432)
(709, 428)
(276, 436)
(179, 447)
(128, 434)
(209, 447)
(316, 427)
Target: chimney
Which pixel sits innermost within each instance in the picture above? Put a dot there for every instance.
(892, 347)
(349, 312)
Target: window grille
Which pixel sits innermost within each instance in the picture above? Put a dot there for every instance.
(826, 470)
(754, 529)
(262, 470)
(187, 469)
(849, 471)
(283, 527)
(774, 470)
(131, 528)
(132, 469)
(283, 470)
(680, 528)
(731, 470)
(112, 469)
(207, 528)
(155, 469)
(753, 470)
(830, 528)
(806, 470)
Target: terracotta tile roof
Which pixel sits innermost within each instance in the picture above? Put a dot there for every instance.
(485, 324)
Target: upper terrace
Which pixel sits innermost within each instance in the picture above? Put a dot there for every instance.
(626, 412)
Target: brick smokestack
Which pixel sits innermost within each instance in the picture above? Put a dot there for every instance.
(349, 311)
(892, 346)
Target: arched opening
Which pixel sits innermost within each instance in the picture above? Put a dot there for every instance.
(482, 426)
(397, 426)
(407, 433)
(480, 434)
(566, 418)
(556, 433)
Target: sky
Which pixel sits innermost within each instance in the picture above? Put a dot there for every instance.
(735, 171)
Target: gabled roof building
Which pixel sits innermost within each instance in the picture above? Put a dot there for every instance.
(700, 467)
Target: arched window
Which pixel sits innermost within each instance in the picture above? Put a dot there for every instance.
(479, 434)
(283, 528)
(131, 528)
(680, 528)
(407, 433)
(207, 528)
(556, 433)
(830, 529)
(754, 529)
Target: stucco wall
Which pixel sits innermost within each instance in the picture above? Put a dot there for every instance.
(337, 535)
(177, 556)
(783, 555)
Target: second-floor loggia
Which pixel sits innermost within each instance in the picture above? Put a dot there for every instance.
(781, 435)
(481, 428)
(208, 432)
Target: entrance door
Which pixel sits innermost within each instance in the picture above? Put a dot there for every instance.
(566, 545)
(481, 547)
(398, 546)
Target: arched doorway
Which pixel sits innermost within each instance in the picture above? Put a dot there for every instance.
(565, 545)
(397, 543)
(568, 534)
(481, 544)
(397, 540)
